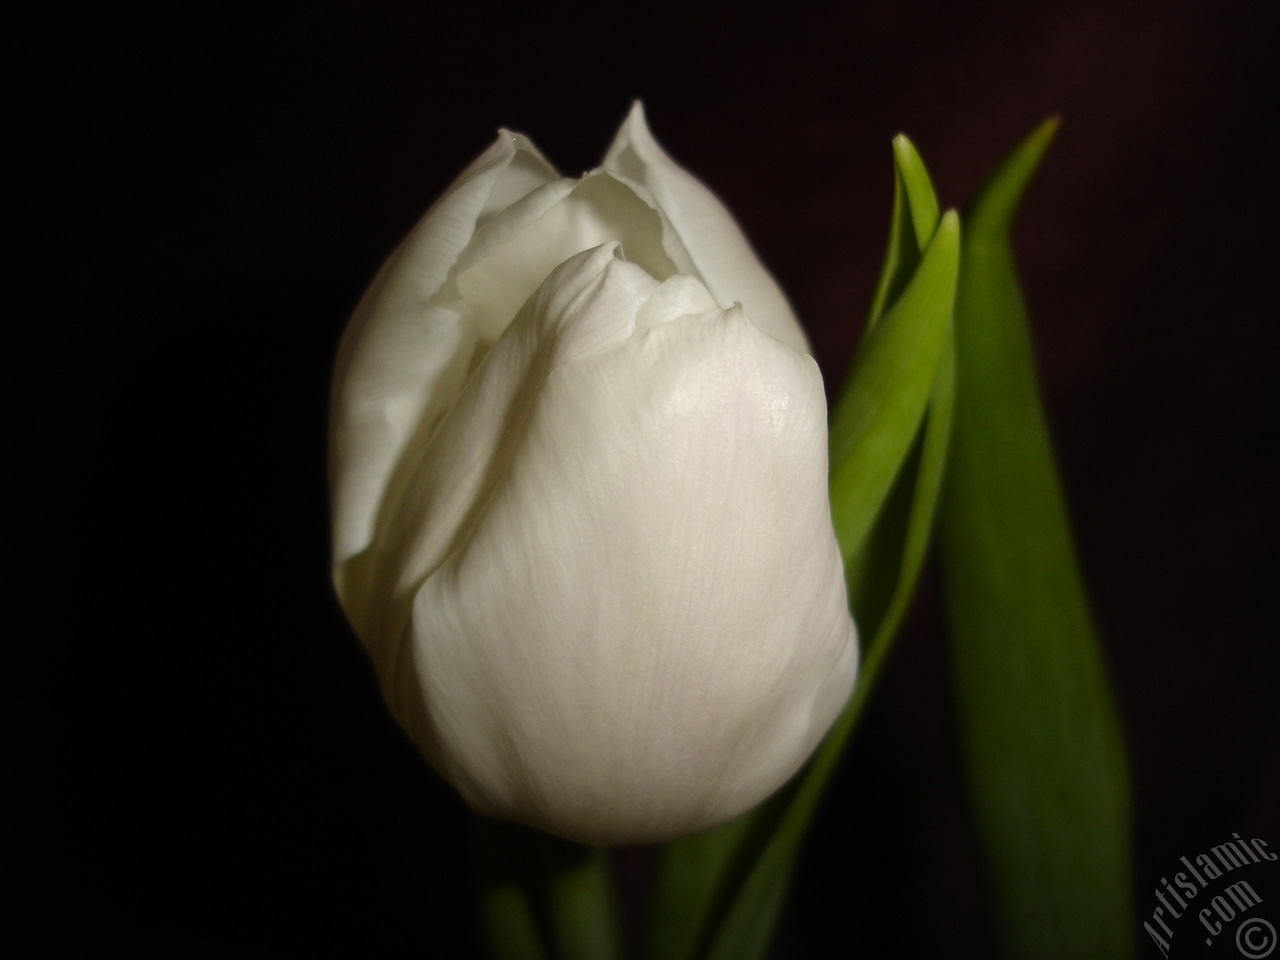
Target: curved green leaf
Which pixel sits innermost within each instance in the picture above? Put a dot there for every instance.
(888, 388)
(1045, 761)
(915, 217)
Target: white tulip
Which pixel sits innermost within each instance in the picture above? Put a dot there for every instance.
(579, 484)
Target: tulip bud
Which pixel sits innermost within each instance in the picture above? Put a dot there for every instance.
(580, 516)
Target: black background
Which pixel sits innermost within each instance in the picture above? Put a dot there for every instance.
(242, 170)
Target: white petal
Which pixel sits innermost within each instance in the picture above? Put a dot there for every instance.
(644, 630)
(723, 257)
(511, 257)
(588, 304)
(402, 359)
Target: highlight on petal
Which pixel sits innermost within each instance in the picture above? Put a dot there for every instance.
(719, 250)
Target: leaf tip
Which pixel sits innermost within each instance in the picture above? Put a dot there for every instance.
(905, 154)
(948, 233)
(996, 202)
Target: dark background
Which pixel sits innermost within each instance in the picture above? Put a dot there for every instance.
(248, 167)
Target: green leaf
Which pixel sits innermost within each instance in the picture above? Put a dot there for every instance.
(874, 571)
(883, 610)
(915, 217)
(878, 414)
(1042, 745)
(542, 897)
(718, 894)
(880, 603)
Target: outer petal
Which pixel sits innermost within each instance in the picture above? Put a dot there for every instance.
(644, 631)
(402, 359)
(720, 251)
(588, 303)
